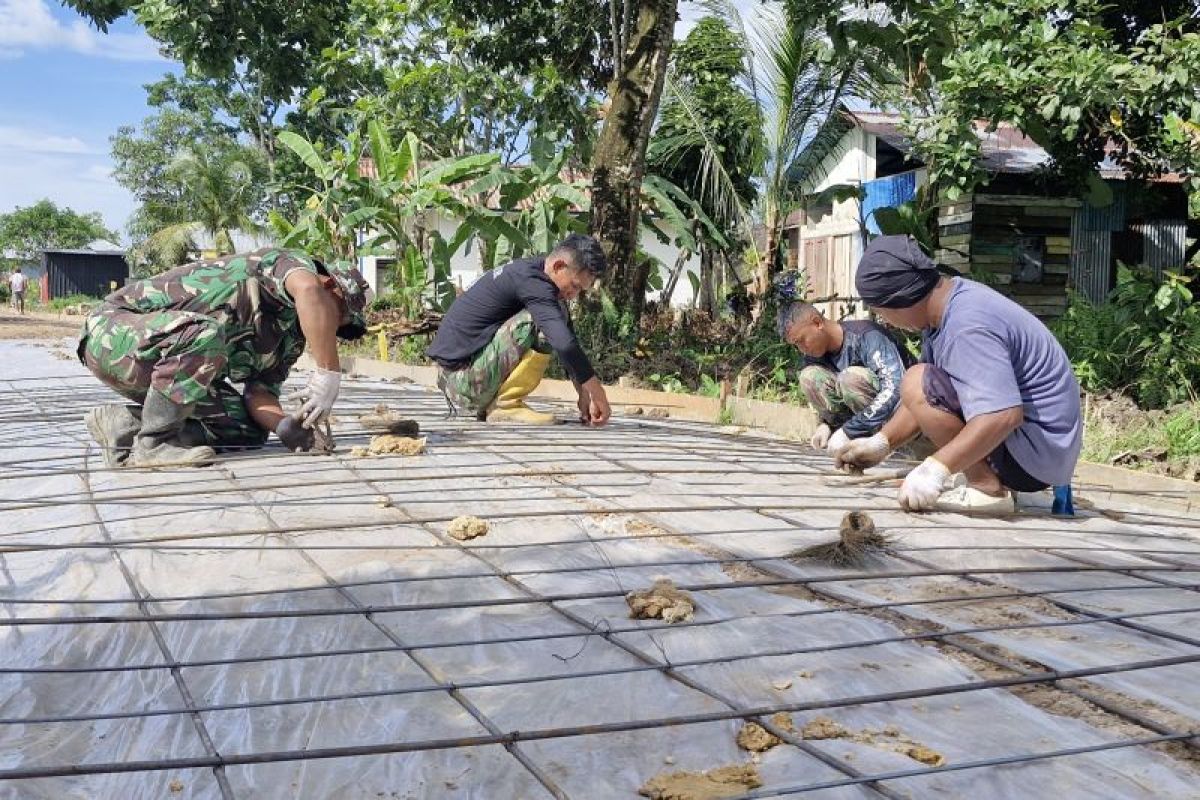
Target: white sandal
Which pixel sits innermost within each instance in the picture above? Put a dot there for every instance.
(966, 498)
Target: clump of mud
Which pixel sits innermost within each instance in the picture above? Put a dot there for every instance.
(658, 413)
(714, 784)
(661, 601)
(757, 739)
(387, 444)
(384, 419)
(857, 540)
(466, 527)
(823, 728)
(889, 738)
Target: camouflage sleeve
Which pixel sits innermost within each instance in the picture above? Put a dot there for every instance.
(272, 278)
(272, 379)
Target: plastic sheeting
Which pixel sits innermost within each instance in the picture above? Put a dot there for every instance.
(502, 617)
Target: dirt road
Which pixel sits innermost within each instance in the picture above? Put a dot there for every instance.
(37, 325)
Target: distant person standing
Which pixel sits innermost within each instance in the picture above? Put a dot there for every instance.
(17, 283)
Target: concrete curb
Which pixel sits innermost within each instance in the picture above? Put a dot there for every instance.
(775, 417)
(1127, 487)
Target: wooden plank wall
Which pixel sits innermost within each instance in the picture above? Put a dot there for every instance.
(979, 235)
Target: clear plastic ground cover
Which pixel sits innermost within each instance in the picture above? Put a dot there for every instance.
(284, 625)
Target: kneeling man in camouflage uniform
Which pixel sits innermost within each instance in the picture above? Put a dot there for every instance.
(176, 343)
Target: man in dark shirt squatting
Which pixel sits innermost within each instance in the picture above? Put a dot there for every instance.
(494, 345)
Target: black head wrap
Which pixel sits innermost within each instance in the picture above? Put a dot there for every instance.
(895, 273)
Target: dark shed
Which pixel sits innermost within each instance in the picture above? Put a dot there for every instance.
(90, 272)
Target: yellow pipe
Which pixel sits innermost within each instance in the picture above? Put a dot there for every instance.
(380, 332)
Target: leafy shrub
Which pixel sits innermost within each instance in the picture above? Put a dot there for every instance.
(1182, 430)
(1145, 341)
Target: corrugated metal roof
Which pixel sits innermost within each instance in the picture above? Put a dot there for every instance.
(1004, 150)
(86, 252)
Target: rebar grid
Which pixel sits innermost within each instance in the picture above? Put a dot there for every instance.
(799, 465)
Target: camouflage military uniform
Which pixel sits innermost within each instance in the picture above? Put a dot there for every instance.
(471, 389)
(838, 397)
(192, 332)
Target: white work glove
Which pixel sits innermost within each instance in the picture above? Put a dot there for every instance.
(837, 441)
(863, 453)
(317, 397)
(923, 486)
(820, 437)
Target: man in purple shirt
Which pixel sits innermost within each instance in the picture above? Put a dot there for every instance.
(994, 392)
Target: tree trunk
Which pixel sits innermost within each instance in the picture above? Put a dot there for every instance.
(768, 266)
(707, 300)
(619, 162)
(673, 280)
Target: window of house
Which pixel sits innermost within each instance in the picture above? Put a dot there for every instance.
(385, 275)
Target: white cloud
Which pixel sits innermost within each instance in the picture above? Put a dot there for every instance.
(36, 163)
(29, 25)
(29, 141)
(78, 182)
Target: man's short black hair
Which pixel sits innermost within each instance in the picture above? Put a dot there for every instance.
(795, 312)
(585, 253)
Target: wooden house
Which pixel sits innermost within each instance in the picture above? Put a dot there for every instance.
(1029, 240)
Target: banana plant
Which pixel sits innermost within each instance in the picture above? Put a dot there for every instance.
(393, 209)
(529, 209)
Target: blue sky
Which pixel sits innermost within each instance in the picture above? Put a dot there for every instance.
(65, 88)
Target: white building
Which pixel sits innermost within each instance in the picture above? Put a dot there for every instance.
(826, 239)
(465, 267)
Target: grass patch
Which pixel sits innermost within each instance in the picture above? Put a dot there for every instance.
(63, 303)
(1117, 432)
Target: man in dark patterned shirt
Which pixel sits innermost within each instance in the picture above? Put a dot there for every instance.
(176, 343)
(851, 376)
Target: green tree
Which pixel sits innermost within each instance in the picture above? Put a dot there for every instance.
(278, 43)
(438, 67)
(227, 107)
(1088, 81)
(708, 65)
(797, 80)
(705, 115)
(44, 226)
(220, 191)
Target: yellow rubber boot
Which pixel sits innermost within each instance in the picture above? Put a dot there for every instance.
(510, 400)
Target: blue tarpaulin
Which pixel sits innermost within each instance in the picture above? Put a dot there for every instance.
(886, 193)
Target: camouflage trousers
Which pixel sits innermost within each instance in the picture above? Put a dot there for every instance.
(471, 389)
(838, 396)
(179, 354)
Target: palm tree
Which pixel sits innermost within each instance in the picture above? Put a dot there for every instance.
(789, 74)
(221, 193)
